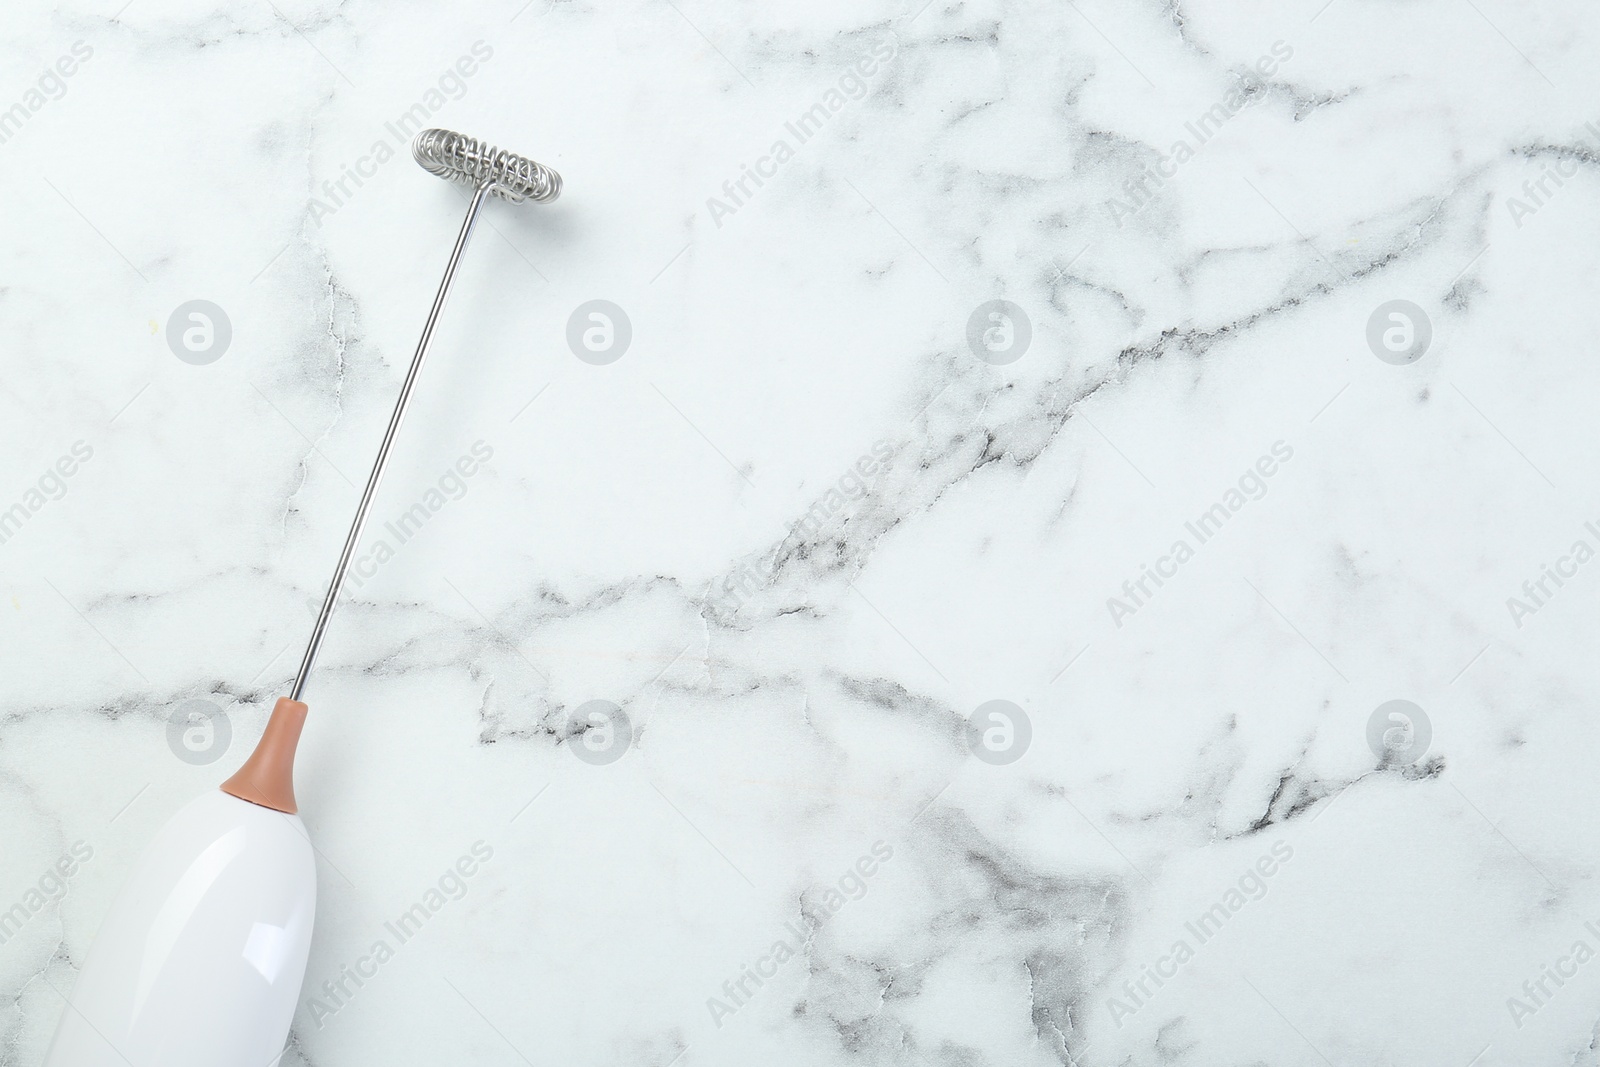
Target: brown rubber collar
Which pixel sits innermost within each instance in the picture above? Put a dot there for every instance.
(267, 777)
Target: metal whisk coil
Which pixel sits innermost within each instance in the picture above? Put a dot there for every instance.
(459, 158)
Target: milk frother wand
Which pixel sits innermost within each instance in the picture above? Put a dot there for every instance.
(200, 960)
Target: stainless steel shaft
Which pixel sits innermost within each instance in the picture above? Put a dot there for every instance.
(488, 170)
(353, 541)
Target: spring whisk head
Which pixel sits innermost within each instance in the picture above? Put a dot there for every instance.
(459, 158)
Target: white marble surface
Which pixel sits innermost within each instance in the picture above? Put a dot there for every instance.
(782, 733)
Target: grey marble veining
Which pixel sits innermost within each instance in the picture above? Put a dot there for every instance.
(1193, 380)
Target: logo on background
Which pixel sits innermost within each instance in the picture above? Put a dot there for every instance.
(599, 332)
(998, 332)
(999, 732)
(1399, 332)
(199, 332)
(1399, 731)
(600, 732)
(198, 732)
